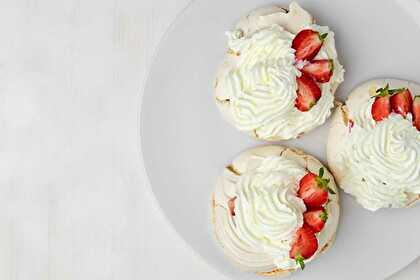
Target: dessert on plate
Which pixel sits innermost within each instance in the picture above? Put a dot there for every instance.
(279, 75)
(374, 144)
(274, 210)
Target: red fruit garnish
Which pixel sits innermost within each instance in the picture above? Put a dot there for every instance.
(320, 70)
(316, 219)
(304, 245)
(416, 112)
(351, 124)
(231, 205)
(307, 44)
(381, 107)
(313, 189)
(401, 102)
(308, 93)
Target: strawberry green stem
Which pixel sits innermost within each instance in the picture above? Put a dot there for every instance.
(300, 261)
(324, 216)
(331, 191)
(331, 64)
(386, 91)
(321, 182)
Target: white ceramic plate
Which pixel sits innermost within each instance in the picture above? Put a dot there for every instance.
(185, 142)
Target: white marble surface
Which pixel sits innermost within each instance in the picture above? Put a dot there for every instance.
(74, 202)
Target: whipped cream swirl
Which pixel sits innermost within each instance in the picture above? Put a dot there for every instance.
(268, 212)
(381, 161)
(262, 86)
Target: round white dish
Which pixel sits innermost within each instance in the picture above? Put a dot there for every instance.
(185, 142)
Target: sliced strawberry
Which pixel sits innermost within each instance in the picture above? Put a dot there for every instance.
(351, 125)
(381, 107)
(307, 44)
(308, 93)
(416, 112)
(320, 70)
(401, 102)
(231, 205)
(304, 245)
(313, 189)
(316, 218)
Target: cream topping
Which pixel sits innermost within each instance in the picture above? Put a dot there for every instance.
(268, 212)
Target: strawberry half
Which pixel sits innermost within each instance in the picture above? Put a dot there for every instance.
(381, 107)
(231, 206)
(313, 189)
(401, 102)
(320, 70)
(308, 93)
(416, 112)
(307, 44)
(316, 219)
(304, 245)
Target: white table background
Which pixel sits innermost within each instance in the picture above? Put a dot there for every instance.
(74, 202)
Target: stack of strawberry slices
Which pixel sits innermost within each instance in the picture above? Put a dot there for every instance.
(307, 44)
(314, 191)
(399, 101)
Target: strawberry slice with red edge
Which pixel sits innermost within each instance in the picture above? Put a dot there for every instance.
(304, 245)
(316, 218)
(307, 44)
(313, 189)
(416, 112)
(231, 206)
(351, 125)
(308, 93)
(381, 107)
(401, 102)
(320, 70)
